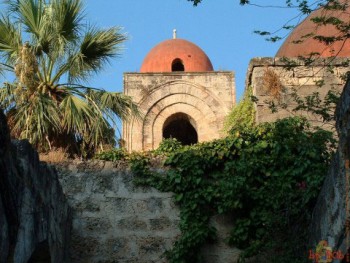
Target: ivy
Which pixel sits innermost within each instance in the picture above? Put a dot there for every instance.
(112, 155)
(168, 146)
(242, 115)
(267, 177)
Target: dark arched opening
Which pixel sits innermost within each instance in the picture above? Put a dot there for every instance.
(181, 127)
(41, 253)
(177, 65)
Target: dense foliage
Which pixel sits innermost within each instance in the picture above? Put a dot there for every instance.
(50, 50)
(112, 155)
(267, 177)
(242, 116)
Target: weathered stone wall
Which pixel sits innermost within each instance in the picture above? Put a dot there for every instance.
(304, 78)
(34, 215)
(206, 97)
(115, 221)
(329, 215)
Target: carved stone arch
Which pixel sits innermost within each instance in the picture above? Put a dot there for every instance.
(179, 86)
(200, 110)
(204, 130)
(205, 98)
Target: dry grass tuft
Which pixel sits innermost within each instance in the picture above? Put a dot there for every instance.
(57, 155)
(272, 83)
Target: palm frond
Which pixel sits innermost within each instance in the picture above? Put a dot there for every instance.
(38, 105)
(7, 96)
(31, 13)
(115, 102)
(10, 39)
(67, 17)
(34, 119)
(77, 114)
(97, 48)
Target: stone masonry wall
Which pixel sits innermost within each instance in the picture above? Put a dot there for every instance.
(304, 78)
(35, 218)
(329, 215)
(206, 97)
(115, 221)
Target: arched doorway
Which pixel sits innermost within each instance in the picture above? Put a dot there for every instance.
(181, 127)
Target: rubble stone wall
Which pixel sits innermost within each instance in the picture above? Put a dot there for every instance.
(35, 219)
(116, 221)
(330, 213)
(293, 74)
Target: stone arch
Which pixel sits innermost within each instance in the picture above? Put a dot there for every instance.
(202, 115)
(179, 86)
(171, 98)
(160, 101)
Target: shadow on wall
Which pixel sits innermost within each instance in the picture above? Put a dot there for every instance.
(35, 219)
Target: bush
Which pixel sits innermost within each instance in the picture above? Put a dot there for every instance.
(242, 116)
(112, 155)
(267, 177)
(167, 146)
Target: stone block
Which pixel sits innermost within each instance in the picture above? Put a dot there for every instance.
(83, 248)
(89, 204)
(102, 183)
(155, 204)
(150, 246)
(117, 248)
(118, 205)
(160, 224)
(97, 225)
(132, 224)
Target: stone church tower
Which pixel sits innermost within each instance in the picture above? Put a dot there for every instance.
(180, 96)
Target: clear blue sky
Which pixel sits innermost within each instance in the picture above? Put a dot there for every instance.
(222, 28)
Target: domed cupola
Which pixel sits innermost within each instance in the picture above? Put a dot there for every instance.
(297, 44)
(176, 55)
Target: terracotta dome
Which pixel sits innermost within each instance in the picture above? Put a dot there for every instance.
(310, 45)
(176, 55)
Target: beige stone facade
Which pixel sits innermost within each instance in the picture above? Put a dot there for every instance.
(197, 99)
(296, 74)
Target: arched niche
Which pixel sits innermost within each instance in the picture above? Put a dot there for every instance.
(182, 127)
(177, 65)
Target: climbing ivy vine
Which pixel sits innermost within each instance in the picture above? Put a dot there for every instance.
(266, 177)
(242, 116)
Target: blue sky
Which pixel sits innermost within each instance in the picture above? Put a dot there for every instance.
(222, 28)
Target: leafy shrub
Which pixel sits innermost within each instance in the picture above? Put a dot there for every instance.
(267, 177)
(242, 116)
(112, 155)
(167, 146)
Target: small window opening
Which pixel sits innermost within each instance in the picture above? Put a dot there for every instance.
(177, 65)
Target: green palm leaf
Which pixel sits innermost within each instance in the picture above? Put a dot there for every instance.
(10, 39)
(77, 114)
(68, 15)
(30, 14)
(96, 49)
(46, 103)
(118, 103)
(36, 118)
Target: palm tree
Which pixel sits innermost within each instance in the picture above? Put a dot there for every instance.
(51, 50)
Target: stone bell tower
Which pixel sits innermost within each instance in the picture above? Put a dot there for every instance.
(180, 96)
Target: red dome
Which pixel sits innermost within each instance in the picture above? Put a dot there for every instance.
(176, 55)
(309, 45)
